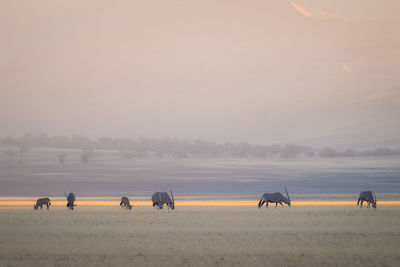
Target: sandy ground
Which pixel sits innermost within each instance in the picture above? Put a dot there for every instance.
(201, 236)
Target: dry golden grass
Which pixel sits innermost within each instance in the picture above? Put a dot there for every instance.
(201, 236)
(19, 202)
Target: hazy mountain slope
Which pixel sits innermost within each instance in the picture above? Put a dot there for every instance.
(218, 70)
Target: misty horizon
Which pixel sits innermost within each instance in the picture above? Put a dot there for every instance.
(171, 147)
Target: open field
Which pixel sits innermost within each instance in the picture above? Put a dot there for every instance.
(201, 236)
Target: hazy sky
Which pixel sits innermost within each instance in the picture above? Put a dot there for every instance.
(304, 71)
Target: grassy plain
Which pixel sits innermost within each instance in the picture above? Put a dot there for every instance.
(201, 236)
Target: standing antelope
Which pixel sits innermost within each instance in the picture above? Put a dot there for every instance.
(71, 200)
(367, 196)
(42, 201)
(275, 198)
(161, 198)
(125, 203)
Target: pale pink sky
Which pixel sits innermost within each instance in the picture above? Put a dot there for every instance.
(303, 71)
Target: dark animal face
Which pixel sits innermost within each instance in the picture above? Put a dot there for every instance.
(172, 205)
(287, 202)
(35, 207)
(374, 205)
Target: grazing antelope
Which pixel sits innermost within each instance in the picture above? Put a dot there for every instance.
(367, 196)
(161, 198)
(125, 203)
(71, 200)
(276, 198)
(42, 201)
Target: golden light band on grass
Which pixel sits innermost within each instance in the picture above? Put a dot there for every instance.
(114, 202)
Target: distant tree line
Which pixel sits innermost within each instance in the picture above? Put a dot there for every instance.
(169, 147)
(378, 152)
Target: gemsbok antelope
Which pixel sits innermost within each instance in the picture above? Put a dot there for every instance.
(125, 203)
(367, 196)
(276, 198)
(71, 200)
(42, 201)
(161, 198)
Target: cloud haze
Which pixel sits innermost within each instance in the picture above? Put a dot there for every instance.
(319, 14)
(221, 71)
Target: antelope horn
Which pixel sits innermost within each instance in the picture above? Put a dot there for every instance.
(287, 193)
(65, 194)
(374, 196)
(173, 201)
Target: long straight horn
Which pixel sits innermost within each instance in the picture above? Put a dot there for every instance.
(287, 194)
(374, 196)
(65, 194)
(172, 196)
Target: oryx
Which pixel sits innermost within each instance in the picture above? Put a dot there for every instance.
(71, 200)
(276, 198)
(125, 203)
(367, 196)
(42, 201)
(161, 198)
